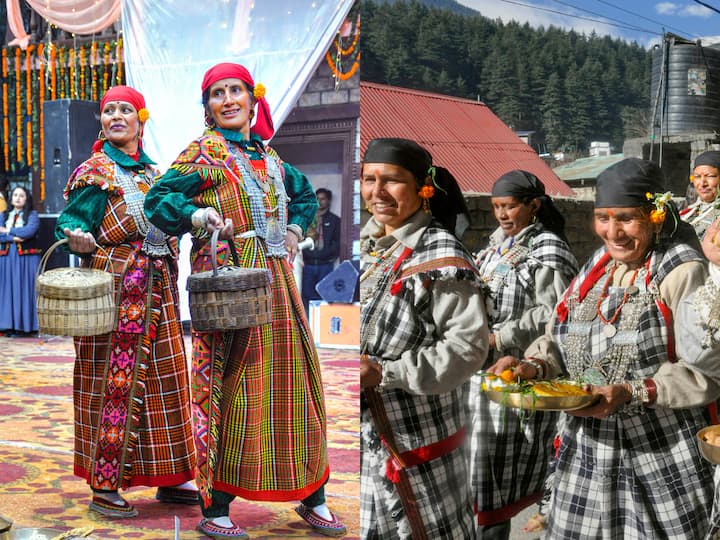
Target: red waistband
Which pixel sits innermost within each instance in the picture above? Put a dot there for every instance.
(415, 457)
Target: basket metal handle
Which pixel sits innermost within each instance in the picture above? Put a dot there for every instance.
(213, 252)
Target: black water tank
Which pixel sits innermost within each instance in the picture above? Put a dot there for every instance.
(691, 88)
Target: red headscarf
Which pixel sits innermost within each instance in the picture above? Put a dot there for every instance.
(128, 95)
(263, 126)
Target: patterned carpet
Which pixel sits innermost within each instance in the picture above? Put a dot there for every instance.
(38, 489)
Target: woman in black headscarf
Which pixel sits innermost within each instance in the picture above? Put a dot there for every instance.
(706, 182)
(526, 268)
(628, 466)
(423, 334)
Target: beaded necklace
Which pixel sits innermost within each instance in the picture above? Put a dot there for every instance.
(609, 329)
(371, 278)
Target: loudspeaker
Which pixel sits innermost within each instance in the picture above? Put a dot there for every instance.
(70, 127)
(59, 258)
(339, 285)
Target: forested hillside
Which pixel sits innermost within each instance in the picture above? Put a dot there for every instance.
(573, 88)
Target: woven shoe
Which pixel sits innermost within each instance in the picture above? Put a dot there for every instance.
(112, 510)
(176, 495)
(328, 528)
(208, 528)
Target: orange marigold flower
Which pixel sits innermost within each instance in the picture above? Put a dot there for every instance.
(259, 91)
(143, 115)
(426, 192)
(657, 216)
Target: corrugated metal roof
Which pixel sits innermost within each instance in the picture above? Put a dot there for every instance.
(462, 135)
(586, 168)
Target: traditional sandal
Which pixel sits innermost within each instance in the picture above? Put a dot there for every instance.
(328, 528)
(208, 528)
(176, 495)
(111, 509)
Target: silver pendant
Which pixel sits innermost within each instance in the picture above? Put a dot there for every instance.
(594, 376)
(609, 330)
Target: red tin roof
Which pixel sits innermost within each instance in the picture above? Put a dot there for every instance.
(462, 135)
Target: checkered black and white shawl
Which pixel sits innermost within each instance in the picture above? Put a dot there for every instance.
(510, 450)
(632, 475)
(403, 322)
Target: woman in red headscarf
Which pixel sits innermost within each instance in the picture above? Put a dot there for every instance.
(257, 393)
(131, 394)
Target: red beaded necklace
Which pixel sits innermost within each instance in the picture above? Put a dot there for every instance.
(604, 295)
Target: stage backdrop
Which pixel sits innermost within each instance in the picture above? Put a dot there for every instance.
(170, 44)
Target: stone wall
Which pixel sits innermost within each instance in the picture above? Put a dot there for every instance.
(321, 89)
(578, 224)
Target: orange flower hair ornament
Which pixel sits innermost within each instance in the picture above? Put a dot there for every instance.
(428, 190)
(143, 115)
(259, 91)
(660, 200)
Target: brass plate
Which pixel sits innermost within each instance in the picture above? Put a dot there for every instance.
(711, 452)
(530, 402)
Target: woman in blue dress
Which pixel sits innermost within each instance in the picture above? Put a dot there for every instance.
(19, 259)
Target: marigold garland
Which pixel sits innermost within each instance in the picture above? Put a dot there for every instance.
(53, 76)
(29, 80)
(93, 70)
(41, 117)
(18, 108)
(353, 44)
(6, 120)
(28, 105)
(337, 73)
(81, 62)
(106, 67)
(118, 61)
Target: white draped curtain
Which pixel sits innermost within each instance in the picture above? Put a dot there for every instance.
(76, 16)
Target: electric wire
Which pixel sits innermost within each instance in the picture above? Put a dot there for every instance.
(626, 26)
(648, 19)
(707, 6)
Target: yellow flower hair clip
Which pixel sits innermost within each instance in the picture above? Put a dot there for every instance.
(143, 115)
(660, 200)
(259, 91)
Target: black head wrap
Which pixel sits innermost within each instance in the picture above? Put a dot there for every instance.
(525, 187)
(626, 185)
(710, 158)
(447, 205)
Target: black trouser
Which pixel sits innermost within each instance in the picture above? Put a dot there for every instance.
(220, 505)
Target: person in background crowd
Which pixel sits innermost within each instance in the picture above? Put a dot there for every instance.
(19, 259)
(267, 438)
(628, 465)
(526, 268)
(133, 428)
(706, 181)
(319, 260)
(423, 334)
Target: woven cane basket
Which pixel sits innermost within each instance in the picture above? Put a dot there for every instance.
(229, 297)
(74, 301)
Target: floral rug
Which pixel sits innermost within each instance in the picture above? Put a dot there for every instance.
(38, 489)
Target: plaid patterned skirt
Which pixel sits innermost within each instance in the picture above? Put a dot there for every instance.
(632, 477)
(440, 487)
(163, 453)
(272, 442)
(509, 456)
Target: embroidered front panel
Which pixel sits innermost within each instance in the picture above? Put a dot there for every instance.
(123, 394)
